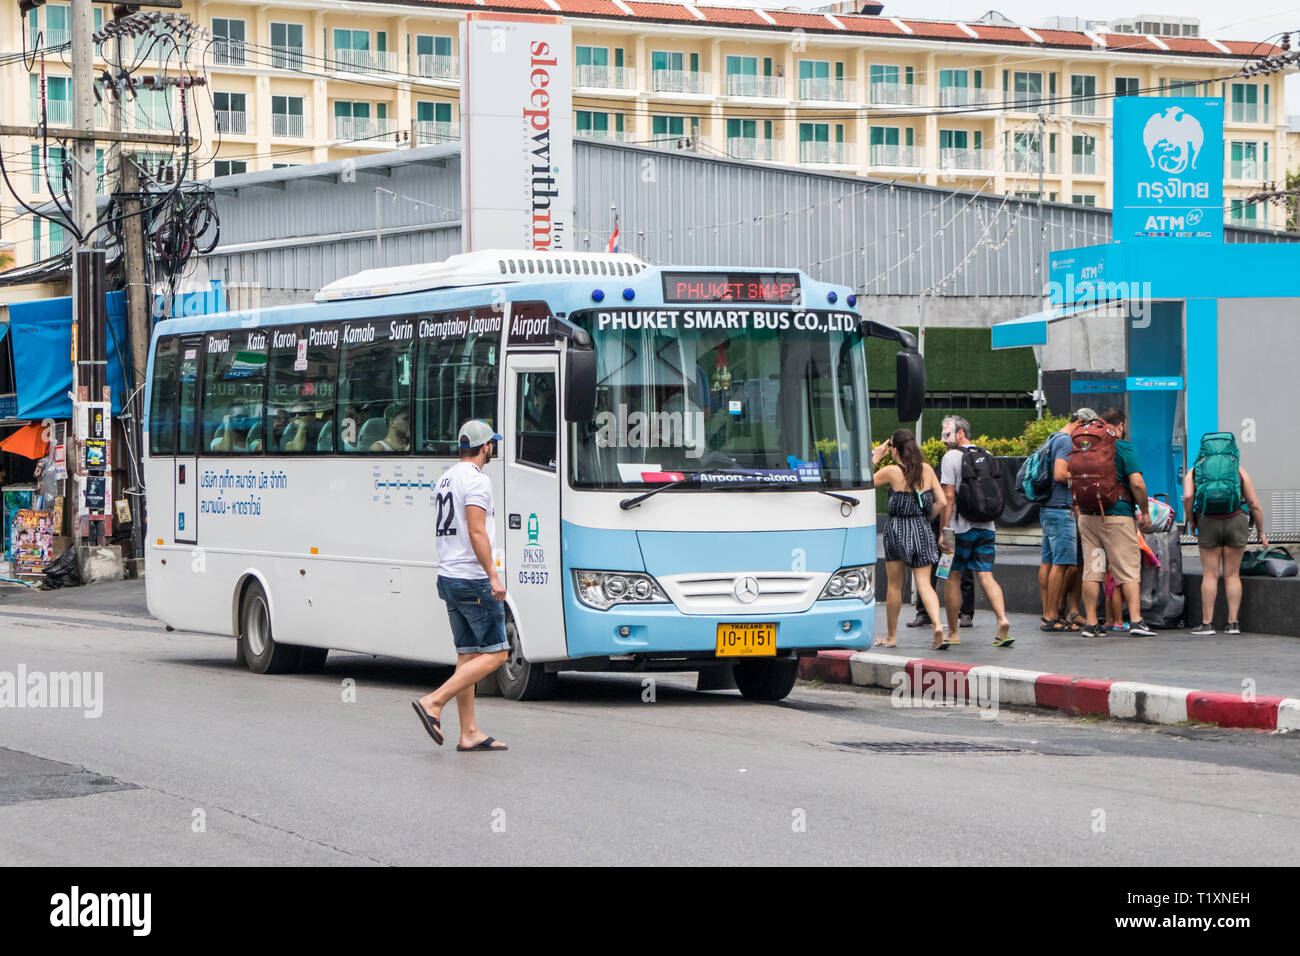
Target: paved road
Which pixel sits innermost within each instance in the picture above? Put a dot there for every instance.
(283, 770)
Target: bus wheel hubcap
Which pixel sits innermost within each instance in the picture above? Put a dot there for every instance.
(257, 627)
(515, 662)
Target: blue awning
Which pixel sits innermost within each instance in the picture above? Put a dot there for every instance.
(42, 347)
(1032, 329)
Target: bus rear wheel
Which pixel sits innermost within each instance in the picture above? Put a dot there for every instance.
(261, 652)
(766, 680)
(518, 678)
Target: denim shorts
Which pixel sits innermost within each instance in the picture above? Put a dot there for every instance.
(1060, 536)
(478, 620)
(975, 550)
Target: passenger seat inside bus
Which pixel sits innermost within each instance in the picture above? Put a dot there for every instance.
(325, 440)
(371, 432)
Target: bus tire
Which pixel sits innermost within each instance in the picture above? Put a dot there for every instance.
(518, 678)
(766, 680)
(311, 660)
(261, 652)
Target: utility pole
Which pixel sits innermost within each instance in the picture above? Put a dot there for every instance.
(137, 296)
(83, 117)
(91, 422)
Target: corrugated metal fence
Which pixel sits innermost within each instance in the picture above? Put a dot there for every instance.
(303, 227)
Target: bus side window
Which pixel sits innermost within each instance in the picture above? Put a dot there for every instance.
(162, 405)
(456, 381)
(536, 419)
(187, 399)
(374, 395)
(300, 393)
(234, 381)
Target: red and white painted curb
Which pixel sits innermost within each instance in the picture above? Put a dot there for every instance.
(952, 681)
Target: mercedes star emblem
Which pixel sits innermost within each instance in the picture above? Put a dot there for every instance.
(746, 590)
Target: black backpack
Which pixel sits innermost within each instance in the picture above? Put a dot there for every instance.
(980, 495)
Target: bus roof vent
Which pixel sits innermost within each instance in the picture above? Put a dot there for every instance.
(487, 267)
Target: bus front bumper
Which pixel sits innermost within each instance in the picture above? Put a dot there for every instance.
(656, 629)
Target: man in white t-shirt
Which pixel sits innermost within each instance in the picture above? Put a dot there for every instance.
(468, 582)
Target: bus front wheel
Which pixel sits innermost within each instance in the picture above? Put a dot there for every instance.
(261, 652)
(766, 680)
(519, 678)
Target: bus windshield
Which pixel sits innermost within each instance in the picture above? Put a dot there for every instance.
(741, 397)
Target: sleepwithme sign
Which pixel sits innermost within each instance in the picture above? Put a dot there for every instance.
(516, 110)
(1168, 156)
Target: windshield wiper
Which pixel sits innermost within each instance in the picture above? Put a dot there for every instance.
(847, 499)
(694, 477)
(628, 504)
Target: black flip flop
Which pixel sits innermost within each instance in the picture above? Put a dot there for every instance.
(484, 744)
(431, 724)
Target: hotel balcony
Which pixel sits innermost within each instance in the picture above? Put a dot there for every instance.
(826, 154)
(608, 77)
(907, 157)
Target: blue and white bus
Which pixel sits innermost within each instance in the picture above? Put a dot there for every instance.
(684, 482)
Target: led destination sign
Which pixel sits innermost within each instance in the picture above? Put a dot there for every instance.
(778, 288)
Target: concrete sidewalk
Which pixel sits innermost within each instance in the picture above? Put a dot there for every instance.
(1218, 663)
(1267, 603)
(1242, 681)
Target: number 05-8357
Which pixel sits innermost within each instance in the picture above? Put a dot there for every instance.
(533, 577)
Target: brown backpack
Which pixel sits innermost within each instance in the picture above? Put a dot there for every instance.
(1094, 480)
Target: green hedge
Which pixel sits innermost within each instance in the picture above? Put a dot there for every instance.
(957, 360)
(999, 422)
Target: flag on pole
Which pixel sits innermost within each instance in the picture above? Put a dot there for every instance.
(613, 240)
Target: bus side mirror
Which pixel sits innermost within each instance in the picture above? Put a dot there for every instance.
(911, 368)
(911, 384)
(580, 385)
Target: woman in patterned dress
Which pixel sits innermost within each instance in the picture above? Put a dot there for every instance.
(914, 494)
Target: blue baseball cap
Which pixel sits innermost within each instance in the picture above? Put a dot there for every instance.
(476, 433)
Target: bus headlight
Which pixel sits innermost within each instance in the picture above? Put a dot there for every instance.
(603, 589)
(854, 582)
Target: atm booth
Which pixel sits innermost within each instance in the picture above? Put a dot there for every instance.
(1187, 340)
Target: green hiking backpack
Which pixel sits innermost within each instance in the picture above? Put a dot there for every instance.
(1217, 475)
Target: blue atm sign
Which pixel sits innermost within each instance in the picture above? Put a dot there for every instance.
(1168, 155)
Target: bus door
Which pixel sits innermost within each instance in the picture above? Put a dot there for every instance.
(185, 466)
(531, 460)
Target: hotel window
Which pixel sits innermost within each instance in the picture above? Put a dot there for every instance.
(1127, 86)
(286, 46)
(228, 37)
(1026, 89)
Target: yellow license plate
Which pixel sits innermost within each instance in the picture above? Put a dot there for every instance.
(746, 640)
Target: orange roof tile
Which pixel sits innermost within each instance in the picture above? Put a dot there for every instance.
(600, 8)
(732, 15)
(874, 25)
(663, 11)
(864, 25)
